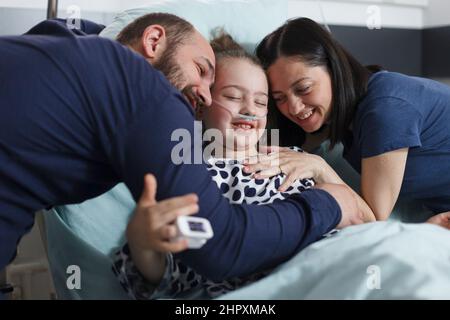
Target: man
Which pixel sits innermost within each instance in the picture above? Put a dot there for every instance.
(80, 114)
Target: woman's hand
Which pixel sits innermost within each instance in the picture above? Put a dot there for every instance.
(151, 230)
(442, 220)
(296, 166)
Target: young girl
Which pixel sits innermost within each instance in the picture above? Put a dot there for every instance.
(238, 112)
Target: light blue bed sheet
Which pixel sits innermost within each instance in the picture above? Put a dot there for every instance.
(382, 260)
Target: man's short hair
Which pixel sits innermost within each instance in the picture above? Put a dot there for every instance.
(178, 30)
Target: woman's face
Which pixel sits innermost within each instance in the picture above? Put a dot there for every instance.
(240, 88)
(302, 93)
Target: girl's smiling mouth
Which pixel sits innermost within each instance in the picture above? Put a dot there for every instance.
(243, 125)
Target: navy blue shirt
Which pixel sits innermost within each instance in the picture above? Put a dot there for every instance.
(81, 113)
(407, 112)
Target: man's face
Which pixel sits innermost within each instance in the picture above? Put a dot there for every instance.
(190, 69)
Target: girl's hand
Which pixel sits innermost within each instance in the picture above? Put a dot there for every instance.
(151, 230)
(152, 226)
(442, 220)
(296, 166)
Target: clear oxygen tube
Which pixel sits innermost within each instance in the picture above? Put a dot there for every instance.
(247, 117)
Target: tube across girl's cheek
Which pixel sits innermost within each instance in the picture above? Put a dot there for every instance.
(217, 118)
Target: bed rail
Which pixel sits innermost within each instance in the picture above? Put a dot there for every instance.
(52, 9)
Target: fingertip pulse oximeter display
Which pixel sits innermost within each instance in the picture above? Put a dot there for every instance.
(195, 230)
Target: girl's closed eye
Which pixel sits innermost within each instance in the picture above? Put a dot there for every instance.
(233, 98)
(261, 103)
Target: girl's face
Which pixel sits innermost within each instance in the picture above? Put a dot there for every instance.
(240, 88)
(302, 93)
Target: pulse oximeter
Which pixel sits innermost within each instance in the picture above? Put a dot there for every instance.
(195, 230)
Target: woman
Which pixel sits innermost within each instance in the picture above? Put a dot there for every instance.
(394, 128)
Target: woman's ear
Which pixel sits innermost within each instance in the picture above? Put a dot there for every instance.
(154, 41)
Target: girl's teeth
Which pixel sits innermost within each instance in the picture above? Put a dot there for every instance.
(307, 115)
(244, 126)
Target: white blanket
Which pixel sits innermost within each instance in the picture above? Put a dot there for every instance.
(382, 260)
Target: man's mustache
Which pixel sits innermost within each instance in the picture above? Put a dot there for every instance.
(190, 96)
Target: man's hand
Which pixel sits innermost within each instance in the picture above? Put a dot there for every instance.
(442, 220)
(348, 202)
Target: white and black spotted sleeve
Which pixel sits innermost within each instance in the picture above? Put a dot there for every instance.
(177, 278)
(240, 187)
(131, 279)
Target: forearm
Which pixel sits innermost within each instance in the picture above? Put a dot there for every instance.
(249, 239)
(380, 198)
(151, 264)
(368, 214)
(328, 175)
(381, 181)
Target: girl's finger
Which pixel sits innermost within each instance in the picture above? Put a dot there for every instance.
(173, 246)
(166, 217)
(176, 202)
(168, 232)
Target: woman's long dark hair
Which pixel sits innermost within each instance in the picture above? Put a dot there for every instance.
(314, 46)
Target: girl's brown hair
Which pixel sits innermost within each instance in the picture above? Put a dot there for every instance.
(224, 46)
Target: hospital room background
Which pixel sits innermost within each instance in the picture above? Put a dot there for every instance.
(408, 36)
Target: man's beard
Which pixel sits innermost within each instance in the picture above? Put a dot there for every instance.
(172, 71)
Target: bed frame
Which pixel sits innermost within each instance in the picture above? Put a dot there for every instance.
(52, 9)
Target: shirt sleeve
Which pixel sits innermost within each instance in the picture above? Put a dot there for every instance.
(56, 26)
(247, 238)
(388, 124)
(176, 280)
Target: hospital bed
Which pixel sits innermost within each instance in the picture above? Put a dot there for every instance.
(342, 266)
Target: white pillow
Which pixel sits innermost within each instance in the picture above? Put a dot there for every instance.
(247, 21)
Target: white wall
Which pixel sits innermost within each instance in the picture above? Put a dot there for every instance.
(413, 14)
(18, 18)
(96, 5)
(437, 13)
(391, 13)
